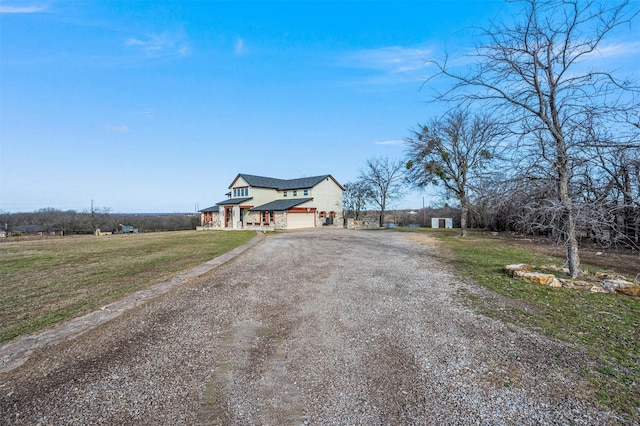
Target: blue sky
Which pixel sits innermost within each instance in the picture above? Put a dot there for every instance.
(156, 106)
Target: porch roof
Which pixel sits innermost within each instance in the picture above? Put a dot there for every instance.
(280, 205)
(233, 201)
(211, 209)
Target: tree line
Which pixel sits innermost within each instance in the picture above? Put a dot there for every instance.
(72, 222)
(534, 137)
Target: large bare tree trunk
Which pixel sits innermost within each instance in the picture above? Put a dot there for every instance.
(463, 218)
(573, 259)
(568, 220)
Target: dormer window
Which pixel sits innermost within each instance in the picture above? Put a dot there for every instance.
(240, 192)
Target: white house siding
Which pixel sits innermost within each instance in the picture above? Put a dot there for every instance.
(261, 196)
(327, 197)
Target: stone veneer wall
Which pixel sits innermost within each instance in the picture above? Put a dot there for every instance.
(366, 223)
(214, 224)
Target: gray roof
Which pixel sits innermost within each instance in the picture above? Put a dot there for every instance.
(280, 205)
(282, 184)
(234, 201)
(211, 209)
(28, 228)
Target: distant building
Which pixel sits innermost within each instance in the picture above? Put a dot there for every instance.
(35, 230)
(441, 222)
(103, 231)
(128, 229)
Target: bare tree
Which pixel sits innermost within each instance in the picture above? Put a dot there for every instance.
(455, 151)
(385, 180)
(533, 71)
(355, 198)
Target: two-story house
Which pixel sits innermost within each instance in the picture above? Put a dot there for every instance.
(270, 203)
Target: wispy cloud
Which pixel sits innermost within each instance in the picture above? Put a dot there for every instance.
(391, 59)
(390, 142)
(388, 65)
(161, 45)
(617, 50)
(239, 47)
(21, 9)
(117, 129)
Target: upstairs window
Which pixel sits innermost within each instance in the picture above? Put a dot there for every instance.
(284, 194)
(240, 192)
(295, 193)
(306, 192)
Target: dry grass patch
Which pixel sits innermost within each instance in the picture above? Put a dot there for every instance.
(49, 280)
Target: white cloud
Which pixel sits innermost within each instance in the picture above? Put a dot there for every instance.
(117, 129)
(161, 45)
(391, 142)
(21, 9)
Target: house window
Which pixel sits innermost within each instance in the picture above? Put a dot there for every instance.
(295, 193)
(284, 194)
(240, 192)
(322, 215)
(332, 215)
(306, 192)
(267, 218)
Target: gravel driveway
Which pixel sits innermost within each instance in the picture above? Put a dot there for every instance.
(318, 327)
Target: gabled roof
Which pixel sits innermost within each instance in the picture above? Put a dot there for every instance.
(283, 184)
(280, 205)
(234, 201)
(211, 209)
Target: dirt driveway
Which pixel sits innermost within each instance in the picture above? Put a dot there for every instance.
(318, 327)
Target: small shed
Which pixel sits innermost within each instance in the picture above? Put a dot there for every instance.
(441, 222)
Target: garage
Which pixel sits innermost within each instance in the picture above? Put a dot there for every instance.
(298, 219)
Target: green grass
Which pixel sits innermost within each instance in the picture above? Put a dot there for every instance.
(608, 326)
(46, 281)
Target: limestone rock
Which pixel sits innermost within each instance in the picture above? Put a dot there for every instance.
(554, 282)
(536, 277)
(512, 269)
(597, 289)
(621, 286)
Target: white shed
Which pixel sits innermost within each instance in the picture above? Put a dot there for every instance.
(441, 222)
